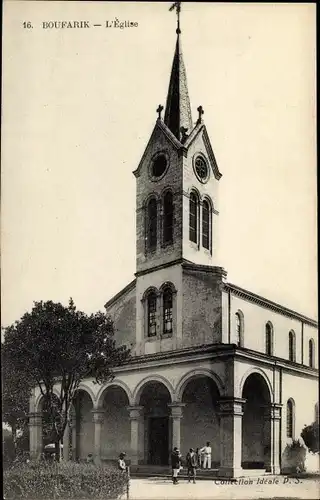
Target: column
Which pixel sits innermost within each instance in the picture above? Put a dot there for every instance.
(35, 433)
(231, 411)
(136, 423)
(176, 416)
(98, 418)
(267, 437)
(275, 414)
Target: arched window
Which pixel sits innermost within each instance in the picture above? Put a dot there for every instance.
(290, 418)
(152, 216)
(152, 314)
(168, 218)
(193, 217)
(311, 353)
(239, 328)
(292, 346)
(206, 229)
(268, 339)
(167, 310)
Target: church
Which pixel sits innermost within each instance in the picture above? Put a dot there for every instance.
(210, 361)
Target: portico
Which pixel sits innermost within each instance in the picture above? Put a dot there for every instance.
(183, 407)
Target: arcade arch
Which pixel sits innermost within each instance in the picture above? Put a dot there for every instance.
(201, 422)
(113, 403)
(155, 397)
(256, 423)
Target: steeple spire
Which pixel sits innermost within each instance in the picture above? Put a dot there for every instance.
(178, 112)
(177, 6)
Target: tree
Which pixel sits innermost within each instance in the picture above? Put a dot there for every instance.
(57, 347)
(310, 435)
(16, 390)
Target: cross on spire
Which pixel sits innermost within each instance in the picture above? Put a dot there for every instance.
(159, 111)
(177, 6)
(200, 111)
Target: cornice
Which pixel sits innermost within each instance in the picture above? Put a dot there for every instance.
(188, 265)
(214, 352)
(264, 359)
(220, 271)
(268, 304)
(194, 353)
(160, 266)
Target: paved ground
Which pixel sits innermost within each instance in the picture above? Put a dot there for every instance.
(283, 488)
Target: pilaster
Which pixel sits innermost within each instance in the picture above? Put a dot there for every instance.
(98, 419)
(35, 433)
(231, 412)
(136, 423)
(176, 415)
(272, 419)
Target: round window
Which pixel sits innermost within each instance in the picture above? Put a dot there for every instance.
(201, 168)
(159, 166)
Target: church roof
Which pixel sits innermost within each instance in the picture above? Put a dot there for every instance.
(178, 111)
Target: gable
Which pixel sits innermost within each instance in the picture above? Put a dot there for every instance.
(161, 137)
(198, 135)
(120, 296)
(122, 309)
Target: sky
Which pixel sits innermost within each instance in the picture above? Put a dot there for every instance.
(79, 106)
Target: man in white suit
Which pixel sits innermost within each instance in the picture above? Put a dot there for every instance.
(206, 453)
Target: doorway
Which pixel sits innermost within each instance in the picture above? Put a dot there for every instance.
(158, 441)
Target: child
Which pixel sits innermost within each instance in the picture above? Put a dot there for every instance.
(89, 458)
(121, 462)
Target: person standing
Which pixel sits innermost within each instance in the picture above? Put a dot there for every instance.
(175, 464)
(191, 461)
(198, 455)
(121, 462)
(206, 450)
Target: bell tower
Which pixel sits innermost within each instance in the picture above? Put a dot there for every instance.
(176, 222)
(177, 182)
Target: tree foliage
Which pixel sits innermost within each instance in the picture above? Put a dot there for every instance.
(16, 390)
(57, 347)
(310, 435)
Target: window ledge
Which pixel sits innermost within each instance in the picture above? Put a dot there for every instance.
(207, 251)
(194, 245)
(152, 339)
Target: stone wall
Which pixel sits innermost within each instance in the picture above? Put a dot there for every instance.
(201, 320)
(191, 251)
(123, 313)
(145, 187)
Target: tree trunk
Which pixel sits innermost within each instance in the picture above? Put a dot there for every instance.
(58, 451)
(14, 438)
